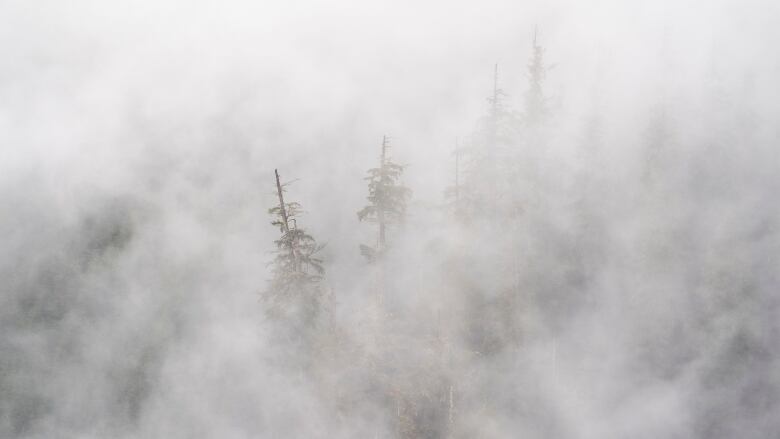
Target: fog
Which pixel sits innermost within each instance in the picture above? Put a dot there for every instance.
(602, 264)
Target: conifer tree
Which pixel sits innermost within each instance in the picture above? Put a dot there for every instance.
(526, 177)
(294, 289)
(497, 124)
(483, 172)
(536, 105)
(387, 200)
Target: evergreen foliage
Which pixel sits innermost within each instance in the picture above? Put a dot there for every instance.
(387, 200)
(536, 104)
(296, 270)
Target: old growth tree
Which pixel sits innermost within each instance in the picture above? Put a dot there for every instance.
(294, 290)
(387, 200)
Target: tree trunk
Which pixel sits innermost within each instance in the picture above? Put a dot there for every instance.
(285, 220)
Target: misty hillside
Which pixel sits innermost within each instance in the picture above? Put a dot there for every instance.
(500, 219)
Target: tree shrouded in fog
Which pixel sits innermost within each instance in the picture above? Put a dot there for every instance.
(603, 263)
(294, 289)
(487, 159)
(536, 105)
(387, 200)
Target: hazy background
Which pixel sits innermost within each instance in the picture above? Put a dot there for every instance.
(137, 148)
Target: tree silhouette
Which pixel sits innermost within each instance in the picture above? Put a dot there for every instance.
(387, 199)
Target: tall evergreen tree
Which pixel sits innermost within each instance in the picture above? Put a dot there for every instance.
(536, 104)
(527, 181)
(483, 163)
(294, 290)
(387, 200)
(497, 123)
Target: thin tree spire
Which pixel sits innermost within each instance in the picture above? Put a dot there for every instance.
(285, 220)
(536, 29)
(387, 199)
(381, 241)
(282, 208)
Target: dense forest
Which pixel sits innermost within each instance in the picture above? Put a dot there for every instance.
(303, 225)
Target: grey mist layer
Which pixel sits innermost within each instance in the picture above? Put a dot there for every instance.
(494, 219)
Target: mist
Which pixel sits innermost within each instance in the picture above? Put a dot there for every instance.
(536, 219)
